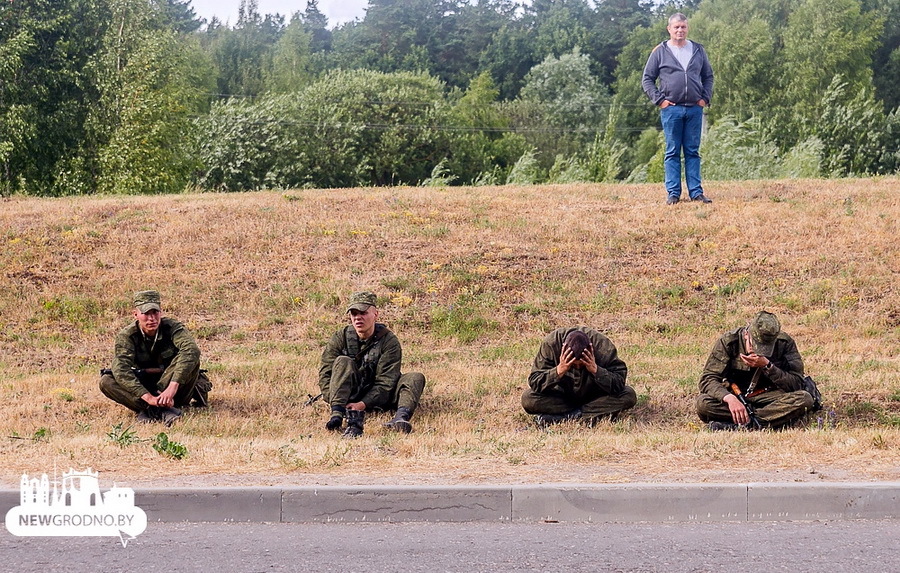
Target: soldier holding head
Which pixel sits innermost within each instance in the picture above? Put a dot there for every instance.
(360, 372)
(765, 365)
(156, 366)
(577, 374)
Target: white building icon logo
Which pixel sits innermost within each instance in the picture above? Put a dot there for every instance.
(75, 507)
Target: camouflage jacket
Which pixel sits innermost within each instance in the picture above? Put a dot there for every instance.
(173, 347)
(577, 382)
(378, 360)
(724, 366)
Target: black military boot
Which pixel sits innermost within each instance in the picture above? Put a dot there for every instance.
(400, 421)
(355, 419)
(337, 419)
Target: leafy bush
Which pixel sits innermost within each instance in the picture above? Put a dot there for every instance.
(734, 150)
(526, 171)
(350, 128)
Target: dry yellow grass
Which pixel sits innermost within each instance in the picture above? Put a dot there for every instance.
(471, 279)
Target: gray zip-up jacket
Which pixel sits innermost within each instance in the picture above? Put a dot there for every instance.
(680, 86)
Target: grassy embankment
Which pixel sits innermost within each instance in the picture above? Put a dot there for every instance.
(471, 279)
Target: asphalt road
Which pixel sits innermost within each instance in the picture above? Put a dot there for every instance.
(845, 546)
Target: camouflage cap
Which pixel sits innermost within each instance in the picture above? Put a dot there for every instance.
(763, 331)
(578, 342)
(146, 300)
(361, 301)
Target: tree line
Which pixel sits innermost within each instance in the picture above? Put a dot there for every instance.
(142, 96)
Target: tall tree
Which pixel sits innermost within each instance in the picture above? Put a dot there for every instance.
(243, 54)
(562, 106)
(292, 59)
(316, 23)
(148, 86)
(178, 15)
(45, 95)
(886, 60)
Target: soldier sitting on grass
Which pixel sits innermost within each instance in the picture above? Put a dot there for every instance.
(360, 372)
(764, 363)
(577, 374)
(156, 367)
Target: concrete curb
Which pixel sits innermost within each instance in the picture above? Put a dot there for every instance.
(520, 503)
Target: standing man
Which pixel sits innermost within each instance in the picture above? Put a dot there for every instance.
(577, 374)
(156, 367)
(360, 372)
(764, 363)
(685, 88)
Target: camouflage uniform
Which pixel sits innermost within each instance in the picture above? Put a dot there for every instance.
(173, 350)
(368, 371)
(777, 396)
(598, 395)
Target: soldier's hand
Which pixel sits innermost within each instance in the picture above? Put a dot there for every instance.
(754, 360)
(738, 412)
(588, 360)
(356, 406)
(751, 358)
(166, 398)
(566, 361)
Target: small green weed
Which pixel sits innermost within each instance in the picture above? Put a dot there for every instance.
(122, 436)
(736, 287)
(644, 397)
(166, 447)
(527, 309)
(289, 458)
(335, 455)
(397, 284)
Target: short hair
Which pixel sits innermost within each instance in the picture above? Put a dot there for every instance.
(578, 342)
(677, 17)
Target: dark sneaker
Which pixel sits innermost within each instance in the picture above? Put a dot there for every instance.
(149, 416)
(672, 200)
(544, 420)
(169, 415)
(400, 421)
(157, 414)
(723, 427)
(702, 198)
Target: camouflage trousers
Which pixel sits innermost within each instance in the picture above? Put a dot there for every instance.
(196, 388)
(601, 406)
(774, 408)
(346, 386)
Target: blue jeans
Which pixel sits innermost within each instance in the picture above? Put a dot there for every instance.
(682, 126)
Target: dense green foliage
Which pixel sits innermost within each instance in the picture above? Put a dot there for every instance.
(138, 96)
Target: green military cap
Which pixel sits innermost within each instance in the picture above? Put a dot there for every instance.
(146, 300)
(763, 331)
(361, 301)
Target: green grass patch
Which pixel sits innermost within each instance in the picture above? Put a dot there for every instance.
(464, 323)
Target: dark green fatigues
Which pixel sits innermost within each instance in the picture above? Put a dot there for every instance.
(599, 395)
(173, 349)
(368, 371)
(781, 400)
